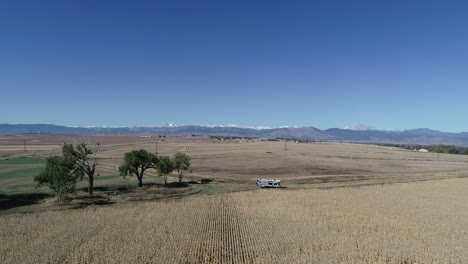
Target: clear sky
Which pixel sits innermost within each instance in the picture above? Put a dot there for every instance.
(390, 64)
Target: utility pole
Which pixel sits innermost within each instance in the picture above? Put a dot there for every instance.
(156, 142)
(285, 141)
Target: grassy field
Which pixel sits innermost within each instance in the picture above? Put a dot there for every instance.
(401, 223)
(16, 174)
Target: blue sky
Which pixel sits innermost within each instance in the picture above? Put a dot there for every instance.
(390, 64)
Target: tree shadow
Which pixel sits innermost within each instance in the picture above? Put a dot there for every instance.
(193, 182)
(111, 189)
(168, 185)
(91, 201)
(177, 185)
(9, 201)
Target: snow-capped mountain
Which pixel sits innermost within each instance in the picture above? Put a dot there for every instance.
(357, 133)
(362, 127)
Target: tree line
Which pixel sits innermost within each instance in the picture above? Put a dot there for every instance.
(440, 148)
(62, 173)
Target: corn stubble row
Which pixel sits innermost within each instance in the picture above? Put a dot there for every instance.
(405, 223)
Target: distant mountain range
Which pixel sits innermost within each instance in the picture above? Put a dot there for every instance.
(359, 133)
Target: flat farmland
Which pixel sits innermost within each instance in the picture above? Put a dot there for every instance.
(302, 165)
(41, 144)
(343, 203)
(423, 222)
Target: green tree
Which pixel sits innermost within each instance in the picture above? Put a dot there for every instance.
(181, 164)
(438, 148)
(85, 158)
(136, 162)
(165, 166)
(452, 150)
(60, 175)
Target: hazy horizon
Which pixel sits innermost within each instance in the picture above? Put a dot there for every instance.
(392, 65)
(357, 127)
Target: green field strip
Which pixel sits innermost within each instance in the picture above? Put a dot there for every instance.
(19, 173)
(23, 160)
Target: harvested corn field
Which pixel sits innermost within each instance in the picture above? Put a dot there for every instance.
(424, 222)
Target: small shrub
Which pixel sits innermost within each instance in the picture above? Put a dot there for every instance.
(205, 181)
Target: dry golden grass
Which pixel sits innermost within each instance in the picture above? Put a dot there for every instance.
(424, 222)
(302, 163)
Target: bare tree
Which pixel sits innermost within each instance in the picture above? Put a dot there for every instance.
(84, 156)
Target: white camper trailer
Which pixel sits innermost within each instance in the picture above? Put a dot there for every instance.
(268, 183)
